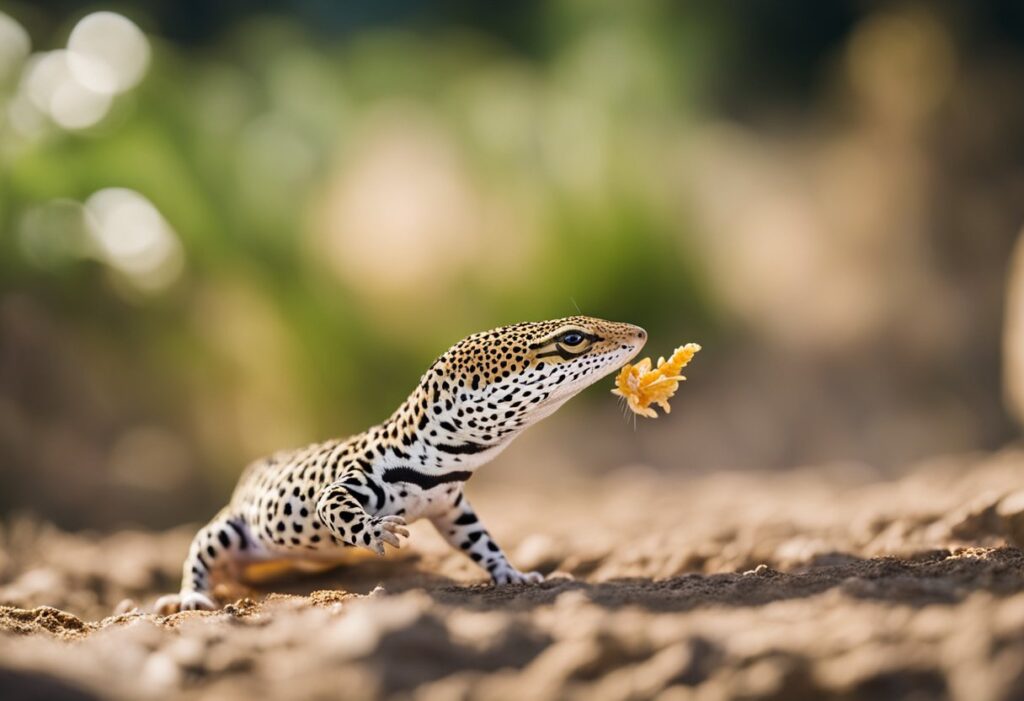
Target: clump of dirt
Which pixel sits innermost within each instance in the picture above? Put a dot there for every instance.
(804, 585)
(42, 619)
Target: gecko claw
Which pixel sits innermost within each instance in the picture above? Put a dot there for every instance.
(387, 529)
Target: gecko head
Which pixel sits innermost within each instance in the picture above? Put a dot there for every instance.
(494, 384)
(567, 355)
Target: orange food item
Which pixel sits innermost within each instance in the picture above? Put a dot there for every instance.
(641, 386)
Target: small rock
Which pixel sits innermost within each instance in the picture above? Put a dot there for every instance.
(126, 606)
(560, 574)
(1011, 515)
(976, 519)
(537, 551)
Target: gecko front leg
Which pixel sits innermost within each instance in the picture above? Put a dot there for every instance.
(342, 507)
(461, 527)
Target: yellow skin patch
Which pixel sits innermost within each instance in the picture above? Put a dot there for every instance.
(641, 386)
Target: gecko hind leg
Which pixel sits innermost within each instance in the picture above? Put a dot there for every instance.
(219, 547)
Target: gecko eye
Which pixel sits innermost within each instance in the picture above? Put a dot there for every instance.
(573, 338)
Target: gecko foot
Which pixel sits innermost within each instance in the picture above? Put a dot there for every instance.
(514, 576)
(386, 529)
(185, 601)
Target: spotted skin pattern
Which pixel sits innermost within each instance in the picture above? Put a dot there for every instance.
(311, 503)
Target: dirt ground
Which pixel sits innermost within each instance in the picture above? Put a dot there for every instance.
(817, 583)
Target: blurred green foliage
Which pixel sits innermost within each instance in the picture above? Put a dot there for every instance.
(240, 145)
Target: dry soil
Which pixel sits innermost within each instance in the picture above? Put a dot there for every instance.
(817, 583)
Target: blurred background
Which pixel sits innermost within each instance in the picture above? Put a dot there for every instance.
(228, 228)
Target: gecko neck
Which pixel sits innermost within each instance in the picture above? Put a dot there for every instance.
(434, 430)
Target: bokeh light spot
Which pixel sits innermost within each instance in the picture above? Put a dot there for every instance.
(133, 237)
(14, 46)
(107, 52)
(402, 218)
(51, 87)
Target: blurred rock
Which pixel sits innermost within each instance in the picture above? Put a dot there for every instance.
(1010, 511)
(977, 518)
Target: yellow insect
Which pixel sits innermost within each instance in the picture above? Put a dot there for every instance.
(641, 386)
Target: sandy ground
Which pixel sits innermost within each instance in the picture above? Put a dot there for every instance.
(823, 583)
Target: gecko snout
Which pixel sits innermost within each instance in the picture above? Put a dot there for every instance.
(635, 337)
(636, 334)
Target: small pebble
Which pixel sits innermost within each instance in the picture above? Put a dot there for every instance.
(126, 606)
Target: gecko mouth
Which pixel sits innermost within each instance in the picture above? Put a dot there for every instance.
(628, 350)
(605, 363)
